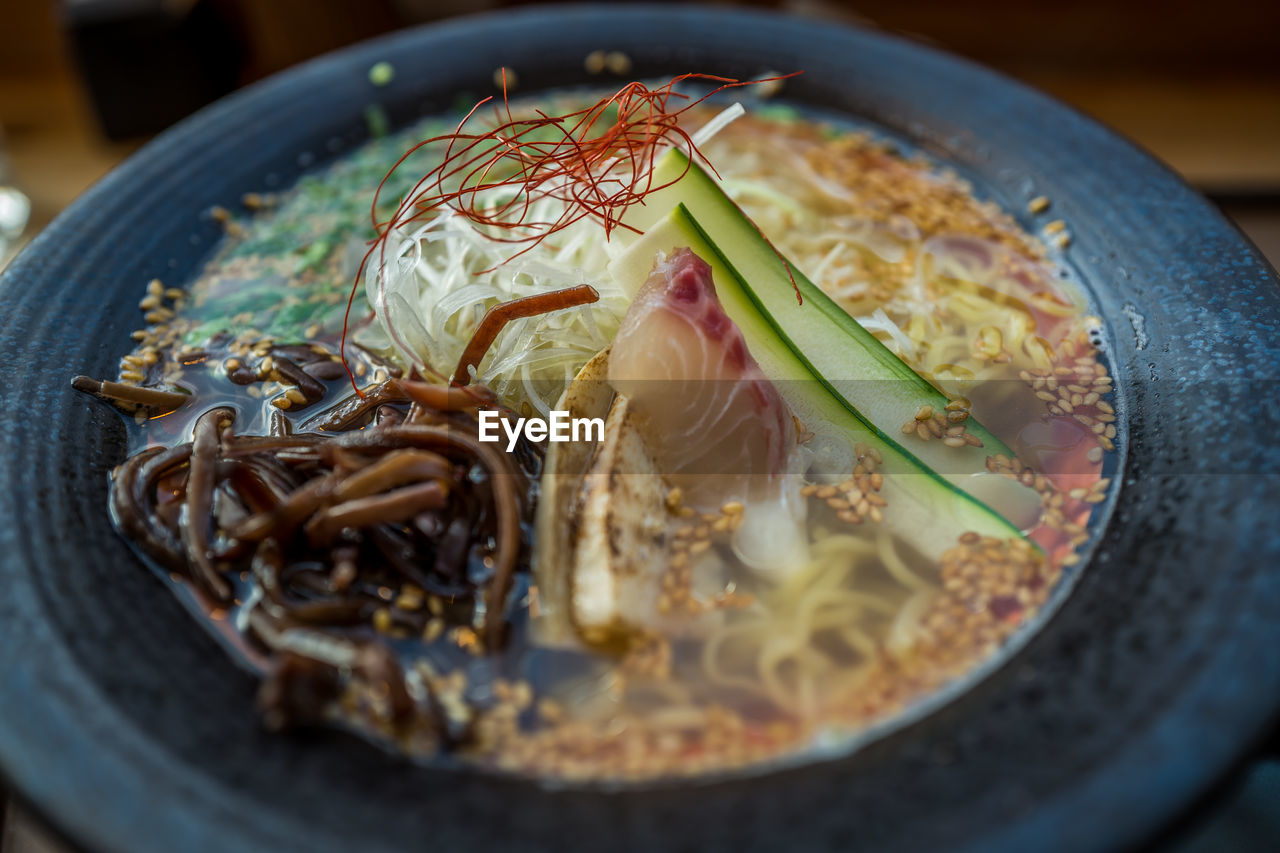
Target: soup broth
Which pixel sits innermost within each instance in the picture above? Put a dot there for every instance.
(433, 630)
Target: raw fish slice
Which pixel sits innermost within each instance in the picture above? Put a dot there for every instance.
(716, 427)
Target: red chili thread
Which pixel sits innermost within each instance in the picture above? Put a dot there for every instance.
(596, 166)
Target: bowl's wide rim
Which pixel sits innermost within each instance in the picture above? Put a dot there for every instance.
(94, 777)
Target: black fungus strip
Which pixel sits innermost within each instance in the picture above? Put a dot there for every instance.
(332, 527)
(158, 402)
(354, 409)
(295, 375)
(202, 480)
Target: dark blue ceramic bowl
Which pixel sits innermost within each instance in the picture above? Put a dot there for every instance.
(128, 728)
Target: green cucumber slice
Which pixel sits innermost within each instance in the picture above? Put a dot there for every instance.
(849, 360)
(923, 507)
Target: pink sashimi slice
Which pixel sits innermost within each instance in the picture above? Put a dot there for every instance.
(715, 425)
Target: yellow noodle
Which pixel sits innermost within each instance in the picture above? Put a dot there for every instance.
(824, 599)
(894, 565)
(902, 632)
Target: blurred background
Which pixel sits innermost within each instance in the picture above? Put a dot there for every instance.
(84, 82)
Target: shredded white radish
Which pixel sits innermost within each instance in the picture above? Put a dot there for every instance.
(899, 342)
(433, 282)
(438, 278)
(717, 124)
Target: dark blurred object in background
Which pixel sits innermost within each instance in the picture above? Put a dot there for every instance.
(181, 54)
(145, 64)
(148, 63)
